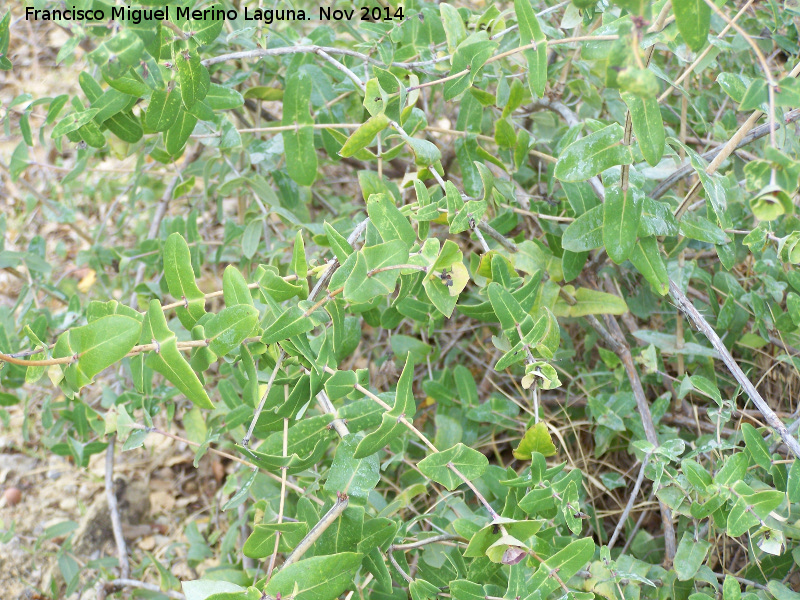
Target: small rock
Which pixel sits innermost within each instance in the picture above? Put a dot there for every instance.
(147, 543)
(68, 504)
(12, 496)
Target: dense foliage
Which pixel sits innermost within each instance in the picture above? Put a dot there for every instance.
(422, 279)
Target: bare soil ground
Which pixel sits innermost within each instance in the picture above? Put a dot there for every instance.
(63, 509)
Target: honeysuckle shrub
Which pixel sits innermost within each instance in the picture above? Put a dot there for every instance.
(418, 274)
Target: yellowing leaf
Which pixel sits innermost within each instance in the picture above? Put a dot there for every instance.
(536, 439)
(86, 283)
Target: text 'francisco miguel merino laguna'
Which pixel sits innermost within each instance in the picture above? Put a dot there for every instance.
(139, 15)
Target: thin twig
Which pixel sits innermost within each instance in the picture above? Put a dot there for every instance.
(631, 501)
(741, 138)
(355, 78)
(285, 452)
(445, 537)
(477, 231)
(497, 236)
(399, 569)
(327, 407)
(705, 328)
(113, 509)
(161, 210)
(312, 536)
(614, 337)
(257, 413)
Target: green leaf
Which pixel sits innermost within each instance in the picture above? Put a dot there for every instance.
(229, 327)
(234, 287)
(536, 439)
(344, 533)
(622, 211)
(203, 589)
(468, 216)
(294, 462)
(377, 533)
(647, 126)
(301, 158)
(646, 257)
(316, 578)
(375, 98)
(504, 135)
(733, 84)
(530, 31)
(120, 51)
(733, 469)
(490, 534)
(642, 83)
(584, 233)
(108, 104)
(442, 295)
(567, 561)
(364, 135)
(595, 302)
(570, 506)
(291, 323)
(756, 446)
(505, 306)
(180, 279)
(689, 556)
(793, 482)
(261, 542)
(751, 507)
(390, 427)
(350, 475)
(167, 360)
(194, 78)
(299, 264)
(340, 384)
(693, 18)
(635, 7)
(338, 243)
(699, 228)
(731, 589)
(388, 220)
(712, 184)
(462, 589)
(364, 283)
(177, 135)
(275, 287)
(303, 436)
(203, 31)
(220, 97)
(780, 591)
(126, 127)
(425, 153)
(470, 56)
(419, 589)
(100, 344)
(598, 151)
(454, 29)
(470, 463)
(73, 122)
(696, 474)
(162, 110)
